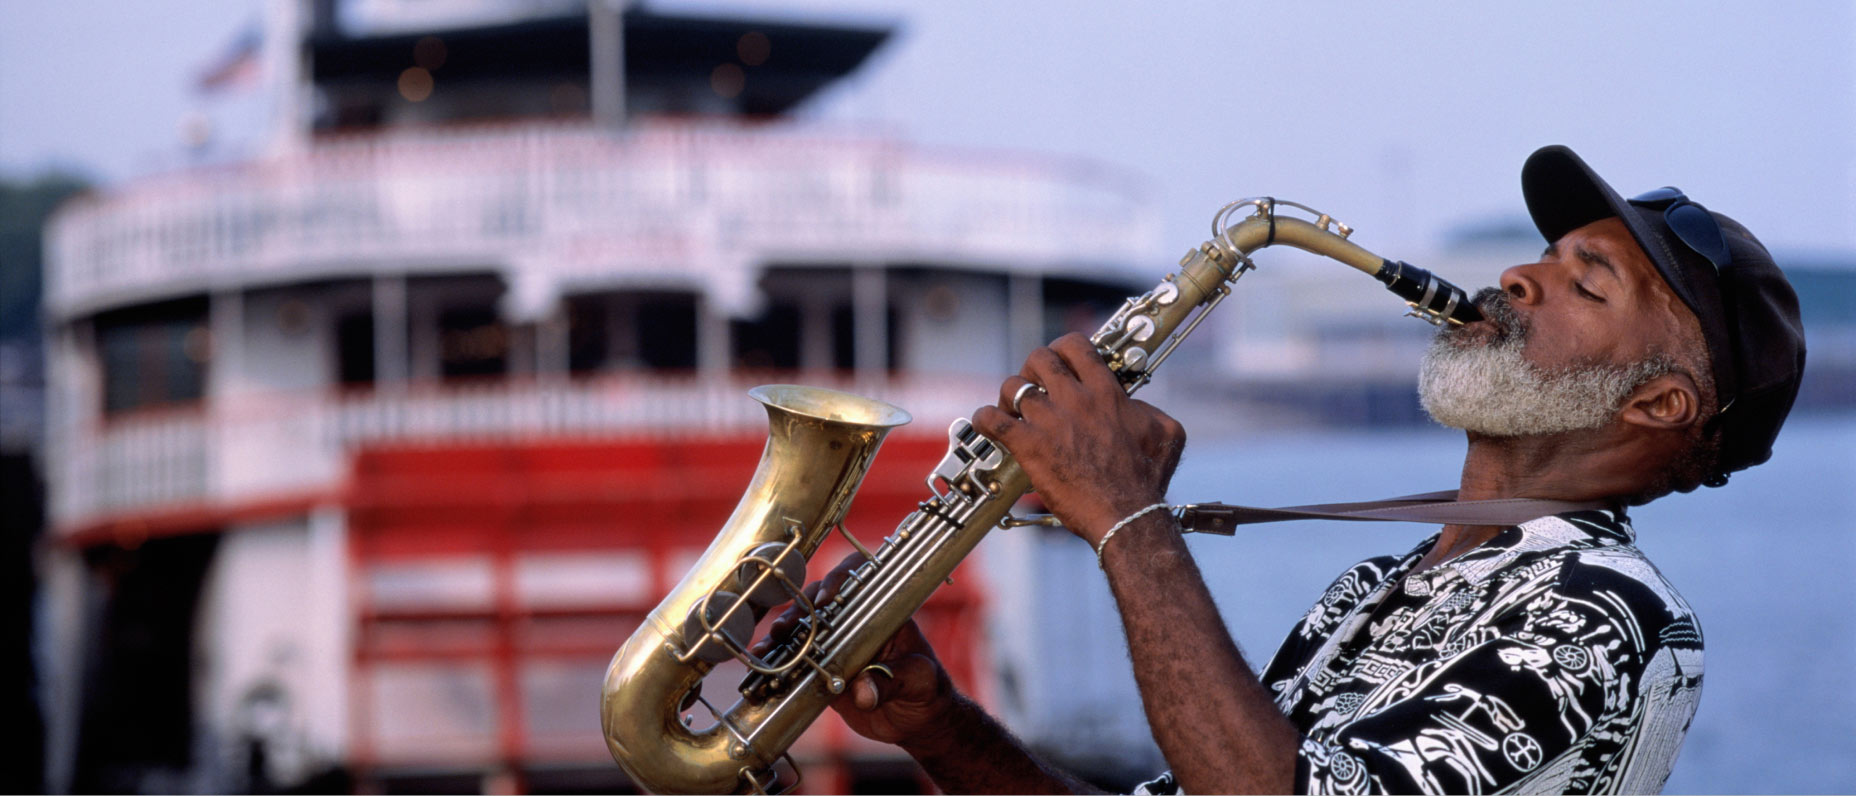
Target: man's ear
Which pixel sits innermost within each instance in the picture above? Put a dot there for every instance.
(1667, 402)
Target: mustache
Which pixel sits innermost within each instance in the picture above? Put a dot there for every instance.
(1496, 309)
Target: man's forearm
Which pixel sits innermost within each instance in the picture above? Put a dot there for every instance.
(1213, 719)
(975, 754)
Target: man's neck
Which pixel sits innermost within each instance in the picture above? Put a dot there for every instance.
(1570, 466)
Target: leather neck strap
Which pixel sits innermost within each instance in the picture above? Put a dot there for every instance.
(1430, 507)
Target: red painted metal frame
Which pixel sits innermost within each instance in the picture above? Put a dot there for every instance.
(664, 499)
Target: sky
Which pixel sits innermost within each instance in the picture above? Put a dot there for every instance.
(1406, 120)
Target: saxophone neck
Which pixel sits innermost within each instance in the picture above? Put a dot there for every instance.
(1431, 298)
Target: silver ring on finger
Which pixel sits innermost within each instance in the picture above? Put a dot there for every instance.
(1020, 396)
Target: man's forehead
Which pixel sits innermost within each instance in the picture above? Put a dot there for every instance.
(1607, 243)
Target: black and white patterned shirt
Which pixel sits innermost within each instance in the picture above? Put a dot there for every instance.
(1552, 659)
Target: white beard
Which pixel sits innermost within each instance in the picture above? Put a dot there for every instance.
(1488, 387)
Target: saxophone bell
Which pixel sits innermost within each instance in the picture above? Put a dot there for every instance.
(820, 444)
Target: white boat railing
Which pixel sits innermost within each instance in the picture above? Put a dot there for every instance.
(235, 450)
(578, 201)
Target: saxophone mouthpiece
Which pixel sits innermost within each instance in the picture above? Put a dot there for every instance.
(1431, 297)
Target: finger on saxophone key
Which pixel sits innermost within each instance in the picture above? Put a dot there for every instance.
(867, 694)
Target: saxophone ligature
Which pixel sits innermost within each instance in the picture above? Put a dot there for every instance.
(819, 446)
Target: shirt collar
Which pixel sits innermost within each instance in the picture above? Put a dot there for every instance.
(1576, 530)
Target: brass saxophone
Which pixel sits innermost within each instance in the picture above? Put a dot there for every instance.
(820, 445)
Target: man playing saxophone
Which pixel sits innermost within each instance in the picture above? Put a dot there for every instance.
(1653, 347)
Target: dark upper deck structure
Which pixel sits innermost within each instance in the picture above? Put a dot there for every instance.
(673, 65)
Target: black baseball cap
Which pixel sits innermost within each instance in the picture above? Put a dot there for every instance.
(1747, 309)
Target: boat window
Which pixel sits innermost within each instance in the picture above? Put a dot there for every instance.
(587, 332)
(770, 341)
(667, 331)
(354, 348)
(473, 342)
(154, 355)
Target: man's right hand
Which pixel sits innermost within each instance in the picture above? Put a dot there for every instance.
(910, 709)
(962, 749)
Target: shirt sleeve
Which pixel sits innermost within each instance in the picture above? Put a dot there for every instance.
(1508, 705)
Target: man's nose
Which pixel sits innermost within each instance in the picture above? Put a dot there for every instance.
(1519, 283)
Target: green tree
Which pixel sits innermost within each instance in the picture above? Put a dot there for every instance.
(24, 207)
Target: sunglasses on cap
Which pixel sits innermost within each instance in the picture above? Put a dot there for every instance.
(1691, 223)
(1697, 229)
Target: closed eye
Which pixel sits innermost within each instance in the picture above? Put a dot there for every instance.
(1587, 293)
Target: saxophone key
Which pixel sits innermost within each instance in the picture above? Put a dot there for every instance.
(717, 628)
(1166, 292)
(1141, 328)
(771, 574)
(1134, 360)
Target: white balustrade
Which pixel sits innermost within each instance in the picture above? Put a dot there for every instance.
(575, 200)
(232, 451)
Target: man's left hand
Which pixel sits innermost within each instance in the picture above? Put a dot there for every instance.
(1093, 454)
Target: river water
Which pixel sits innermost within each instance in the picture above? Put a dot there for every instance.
(1766, 562)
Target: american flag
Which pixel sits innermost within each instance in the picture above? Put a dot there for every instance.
(239, 67)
